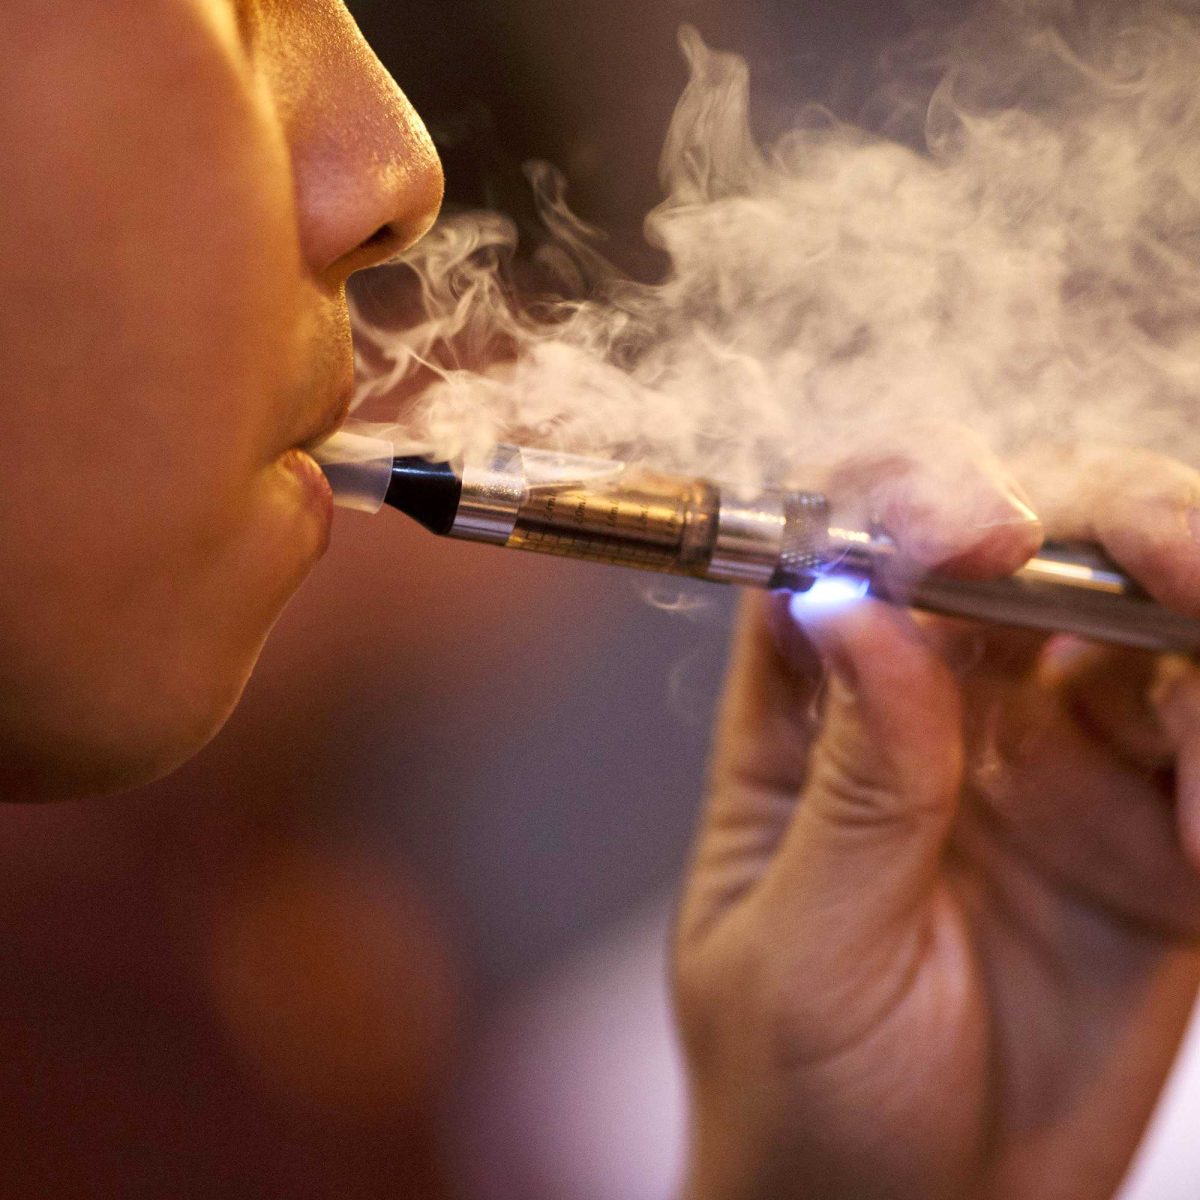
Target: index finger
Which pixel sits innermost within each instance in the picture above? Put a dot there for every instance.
(1142, 508)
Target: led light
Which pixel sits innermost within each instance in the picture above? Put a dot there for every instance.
(829, 594)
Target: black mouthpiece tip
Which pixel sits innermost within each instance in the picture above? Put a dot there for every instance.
(428, 492)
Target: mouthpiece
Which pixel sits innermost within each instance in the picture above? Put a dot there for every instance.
(612, 512)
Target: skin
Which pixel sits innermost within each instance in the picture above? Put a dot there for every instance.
(188, 184)
(942, 933)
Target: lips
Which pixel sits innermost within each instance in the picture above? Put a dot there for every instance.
(316, 493)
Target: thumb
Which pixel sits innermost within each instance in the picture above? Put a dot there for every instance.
(884, 776)
(835, 781)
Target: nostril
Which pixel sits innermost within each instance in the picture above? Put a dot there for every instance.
(383, 245)
(383, 236)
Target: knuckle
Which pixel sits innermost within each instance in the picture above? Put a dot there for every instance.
(1143, 507)
(855, 792)
(1154, 543)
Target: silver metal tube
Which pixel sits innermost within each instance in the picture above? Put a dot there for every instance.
(491, 498)
(749, 540)
(777, 538)
(1066, 588)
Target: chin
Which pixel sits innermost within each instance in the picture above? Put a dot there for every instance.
(139, 736)
(147, 684)
(77, 767)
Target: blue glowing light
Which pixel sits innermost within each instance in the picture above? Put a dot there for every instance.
(830, 593)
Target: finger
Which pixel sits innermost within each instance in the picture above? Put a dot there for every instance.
(883, 783)
(950, 505)
(1109, 693)
(1143, 508)
(884, 776)
(958, 507)
(1176, 698)
(947, 502)
(766, 725)
(892, 757)
(770, 710)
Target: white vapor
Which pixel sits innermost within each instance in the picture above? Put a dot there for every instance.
(1028, 266)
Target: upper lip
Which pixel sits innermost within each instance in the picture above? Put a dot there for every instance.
(330, 418)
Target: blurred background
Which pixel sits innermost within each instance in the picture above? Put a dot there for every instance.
(400, 931)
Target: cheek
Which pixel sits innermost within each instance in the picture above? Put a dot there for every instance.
(156, 332)
(156, 298)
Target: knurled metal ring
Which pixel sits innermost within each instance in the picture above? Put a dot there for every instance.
(805, 533)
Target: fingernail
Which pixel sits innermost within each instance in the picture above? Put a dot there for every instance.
(1018, 511)
(1023, 508)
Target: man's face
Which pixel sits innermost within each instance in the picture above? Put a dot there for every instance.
(187, 184)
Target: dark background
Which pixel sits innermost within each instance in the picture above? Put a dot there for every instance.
(590, 87)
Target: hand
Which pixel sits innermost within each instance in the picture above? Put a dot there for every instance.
(942, 933)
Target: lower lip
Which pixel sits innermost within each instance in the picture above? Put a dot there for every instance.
(315, 489)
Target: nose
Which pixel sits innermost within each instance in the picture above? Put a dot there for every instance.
(368, 179)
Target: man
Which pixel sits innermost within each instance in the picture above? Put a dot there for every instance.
(897, 974)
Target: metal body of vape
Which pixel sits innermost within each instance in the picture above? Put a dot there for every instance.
(773, 538)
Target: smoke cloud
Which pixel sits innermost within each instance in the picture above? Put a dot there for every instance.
(1018, 250)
